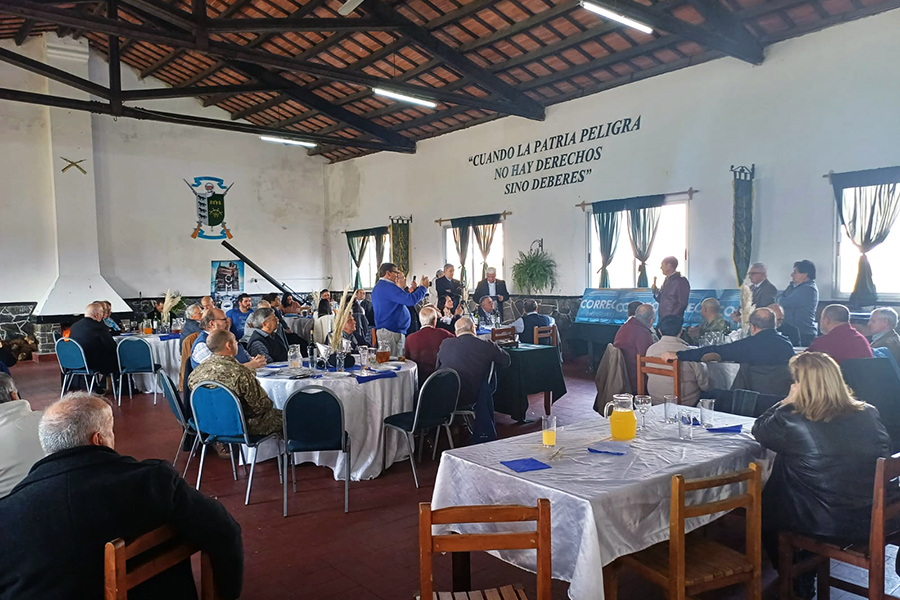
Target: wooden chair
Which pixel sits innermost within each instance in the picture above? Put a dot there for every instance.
(688, 567)
(649, 365)
(186, 352)
(546, 332)
(867, 556)
(503, 334)
(538, 539)
(131, 564)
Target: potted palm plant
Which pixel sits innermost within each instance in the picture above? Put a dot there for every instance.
(535, 271)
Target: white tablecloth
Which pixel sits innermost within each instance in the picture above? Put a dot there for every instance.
(365, 407)
(166, 353)
(602, 506)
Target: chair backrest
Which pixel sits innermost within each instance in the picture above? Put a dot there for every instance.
(70, 355)
(651, 365)
(217, 411)
(135, 355)
(186, 346)
(313, 420)
(611, 377)
(503, 334)
(749, 500)
(438, 398)
(885, 506)
(549, 333)
(171, 394)
(765, 379)
(539, 539)
(127, 565)
(875, 381)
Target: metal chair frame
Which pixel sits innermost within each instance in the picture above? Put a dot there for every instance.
(168, 388)
(129, 373)
(467, 413)
(69, 373)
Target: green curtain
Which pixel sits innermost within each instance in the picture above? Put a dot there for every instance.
(868, 203)
(357, 245)
(642, 233)
(607, 226)
(461, 231)
(381, 237)
(400, 244)
(742, 233)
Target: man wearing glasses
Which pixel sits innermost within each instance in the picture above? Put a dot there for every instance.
(390, 301)
(764, 291)
(213, 320)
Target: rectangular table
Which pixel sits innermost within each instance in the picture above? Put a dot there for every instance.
(533, 369)
(602, 506)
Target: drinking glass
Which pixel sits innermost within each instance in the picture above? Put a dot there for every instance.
(707, 411)
(364, 357)
(295, 356)
(671, 408)
(642, 403)
(313, 363)
(339, 358)
(548, 427)
(685, 425)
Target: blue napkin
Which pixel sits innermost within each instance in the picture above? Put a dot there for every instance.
(482, 331)
(125, 334)
(353, 368)
(523, 465)
(385, 375)
(694, 421)
(169, 336)
(614, 448)
(727, 429)
(276, 365)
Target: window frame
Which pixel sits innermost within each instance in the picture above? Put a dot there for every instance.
(836, 293)
(473, 280)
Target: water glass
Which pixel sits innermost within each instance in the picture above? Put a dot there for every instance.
(364, 357)
(707, 411)
(548, 428)
(685, 425)
(339, 358)
(671, 408)
(642, 403)
(295, 356)
(313, 363)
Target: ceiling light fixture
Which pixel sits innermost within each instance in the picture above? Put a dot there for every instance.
(404, 97)
(605, 12)
(278, 140)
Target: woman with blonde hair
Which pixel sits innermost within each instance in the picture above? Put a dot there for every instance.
(826, 444)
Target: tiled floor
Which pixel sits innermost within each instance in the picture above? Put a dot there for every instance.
(318, 552)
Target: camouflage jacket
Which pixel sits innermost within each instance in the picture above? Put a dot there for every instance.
(262, 416)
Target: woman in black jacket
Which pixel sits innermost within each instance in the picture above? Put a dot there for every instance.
(827, 444)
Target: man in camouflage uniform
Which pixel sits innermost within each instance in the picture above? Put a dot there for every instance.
(713, 323)
(262, 416)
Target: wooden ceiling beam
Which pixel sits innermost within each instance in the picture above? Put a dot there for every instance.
(290, 24)
(24, 31)
(64, 77)
(725, 21)
(191, 92)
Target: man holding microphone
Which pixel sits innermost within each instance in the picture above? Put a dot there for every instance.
(390, 301)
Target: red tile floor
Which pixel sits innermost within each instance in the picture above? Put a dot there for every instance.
(320, 553)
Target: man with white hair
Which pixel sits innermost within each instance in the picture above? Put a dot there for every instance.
(192, 316)
(633, 338)
(83, 494)
(447, 286)
(214, 320)
(422, 346)
(882, 328)
(493, 287)
(472, 357)
(19, 444)
(96, 340)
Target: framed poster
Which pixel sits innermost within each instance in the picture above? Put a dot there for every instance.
(227, 277)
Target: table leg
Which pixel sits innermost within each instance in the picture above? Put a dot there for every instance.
(547, 402)
(462, 571)
(590, 368)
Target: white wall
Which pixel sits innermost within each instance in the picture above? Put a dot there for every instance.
(826, 101)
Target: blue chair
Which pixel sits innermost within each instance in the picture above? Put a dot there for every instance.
(437, 404)
(314, 422)
(135, 357)
(219, 418)
(73, 364)
(171, 394)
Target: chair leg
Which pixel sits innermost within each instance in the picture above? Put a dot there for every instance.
(785, 567)
(231, 455)
(548, 401)
(65, 384)
(422, 438)
(89, 381)
(284, 483)
(177, 452)
(191, 455)
(823, 582)
(250, 478)
(244, 458)
(410, 442)
(121, 375)
(130, 386)
(294, 472)
(347, 480)
(280, 478)
(202, 460)
(449, 437)
(437, 436)
(384, 432)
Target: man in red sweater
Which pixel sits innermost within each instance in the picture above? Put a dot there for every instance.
(841, 341)
(633, 338)
(422, 346)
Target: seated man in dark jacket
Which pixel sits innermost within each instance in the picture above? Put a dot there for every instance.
(96, 340)
(83, 494)
(264, 341)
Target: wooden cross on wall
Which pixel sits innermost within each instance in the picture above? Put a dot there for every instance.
(74, 163)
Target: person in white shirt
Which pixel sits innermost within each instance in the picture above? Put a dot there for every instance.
(694, 375)
(525, 324)
(20, 446)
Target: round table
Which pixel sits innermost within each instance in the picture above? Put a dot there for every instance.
(166, 353)
(365, 407)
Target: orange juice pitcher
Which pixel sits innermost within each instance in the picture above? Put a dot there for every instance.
(622, 421)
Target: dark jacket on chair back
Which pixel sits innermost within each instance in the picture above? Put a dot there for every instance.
(58, 519)
(530, 321)
(824, 472)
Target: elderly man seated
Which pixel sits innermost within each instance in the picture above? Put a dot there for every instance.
(635, 337)
(841, 340)
(215, 320)
(83, 495)
(422, 346)
(525, 324)
(487, 311)
(882, 328)
(694, 375)
(264, 341)
(192, 316)
(96, 340)
(262, 416)
(114, 326)
(19, 444)
(784, 328)
(493, 287)
(351, 336)
(713, 326)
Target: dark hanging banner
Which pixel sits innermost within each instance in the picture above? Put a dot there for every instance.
(400, 242)
(743, 219)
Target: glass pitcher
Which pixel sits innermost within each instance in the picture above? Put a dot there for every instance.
(383, 354)
(622, 421)
(295, 356)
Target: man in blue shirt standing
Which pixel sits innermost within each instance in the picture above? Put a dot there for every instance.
(238, 316)
(389, 302)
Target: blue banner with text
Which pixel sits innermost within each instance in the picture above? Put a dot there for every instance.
(610, 307)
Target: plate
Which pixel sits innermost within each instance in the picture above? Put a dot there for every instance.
(395, 363)
(336, 375)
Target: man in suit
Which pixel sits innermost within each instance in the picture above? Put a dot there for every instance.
(493, 287)
(841, 340)
(422, 346)
(764, 291)
(633, 338)
(363, 313)
(785, 329)
(882, 327)
(525, 324)
(96, 340)
(472, 358)
(487, 310)
(83, 494)
(447, 286)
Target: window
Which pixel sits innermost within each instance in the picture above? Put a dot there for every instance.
(671, 240)
(474, 261)
(368, 270)
(883, 260)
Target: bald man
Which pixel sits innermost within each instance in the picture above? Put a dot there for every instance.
(96, 340)
(841, 340)
(84, 494)
(785, 329)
